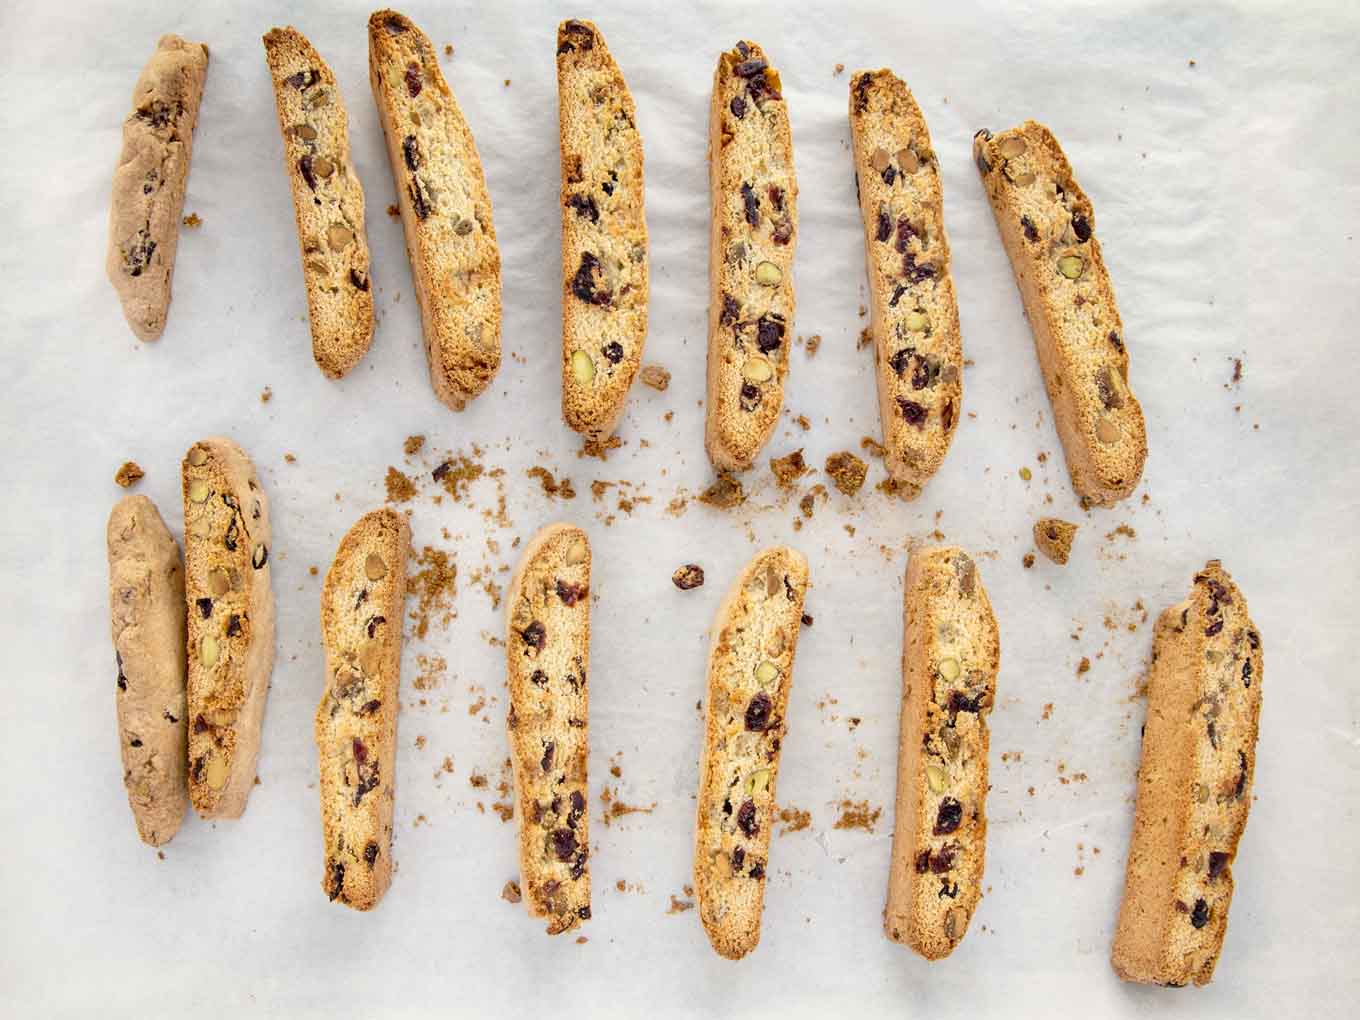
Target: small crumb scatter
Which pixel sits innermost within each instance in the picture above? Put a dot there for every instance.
(448, 49)
(789, 468)
(552, 487)
(400, 488)
(655, 376)
(724, 494)
(840, 68)
(129, 474)
(413, 445)
(847, 471)
(420, 743)
(193, 221)
(857, 816)
(1084, 666)
(510, 893)
(794, 820)
(679, 906)
(478, 781)
(393, 211)
(866, 335)
(812, 344)
(266, 395)
(1048, 711)
(1028, 560)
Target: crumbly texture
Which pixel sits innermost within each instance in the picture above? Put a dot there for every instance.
(129, 474)
(149, 184)
(846, 471)
(752, 235)
(362, 605)
(1053, 538)
(328, 201)
(1194, 785)
(604, 233)
(1048, 227)
(547, 649)
(918, 352)
(750, 672)
(951, 653)
(146, 606)
(227, 545)
(445, 209)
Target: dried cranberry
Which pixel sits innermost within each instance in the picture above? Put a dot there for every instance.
(730, 310)
(539, 678)
(861, 88)
(923, 862)
(904, 233)
(884, 227)
(952, 891)
(758, 713)
(368, 780)
(305, 168)
(359, 278)
(613, 352)
(410, 150)
(1081, 227)
(738, 107)
(200, 724)
(585, 206)
(898, 291)
(374, 622)
(738, 857)
(978, 155)
(889, 174)
(1213, 734)
(204, 609)
(549, 750)
(746, 818)
(1241, 776)
(419, 200)
(776, 194)
(1031, 231)
(782, 232)
(913, 272)
(769, 334)
(1246, 673)
(371, 853)
(578, 866)
(752, 204)
(901, 360)
(1217, 862)
(570, 593)
(1253, 639)
(360, 751)
(563, 844)
(923, 374)
(1114, 339)
(749, 68)
(535, 636)
(949, 817)
(1200, 916)
(1213, 628)
(757, 870)
(578, 803)
(583, 284)
(303, 80)
(947, 414)
(438, 473)
(585, 38)
(369, 707)
(913, 412)
(233, 625)
(584, 913)
(413, 80)
(750, 397)
(960, 702)
(943, 859)
(337, 880)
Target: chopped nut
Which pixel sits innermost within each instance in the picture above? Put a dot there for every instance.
(774, 644)
(1107, 431)
(955, 923)
(374, 567)
(510, 893)
(218, 582)
(339, 236)
(768, 274)
(1023, 180)
(370, 658)
(908, 160)
(576, 553)
(757, 370)
(688, 577)
(759, 781)
(582, 367)
(766, 671)
(1012, 146)
(1071, 266)
(949, 669)
(198, 491)
(322, 167)
(880, 159)
(215, 775)
(935, 776)
(916, 321)
(305, 131)
(208, 650)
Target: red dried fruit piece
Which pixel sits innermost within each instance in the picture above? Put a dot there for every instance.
(613, 352)
(337, 880)
(585, 206)
(410, 150)
(549, 750)
(913, 412)
(305, 168)
(730, 310)
(758, 713)
(751, 203)
(1081, 227)
(535, 636)
(303, 80)
(757, 870)
(414, 81)
(738, 107)
(205, 607)
(563, 844)
(1199, 917)
(359, 278)
(1217, 862)
(769, 333)
(750, 397)
(570, 593)
(738, 858)
(884, 232)
(949, 817)
(749, 68)
(371, 853)
(588, 277)
(1031, 231)
(746, 818)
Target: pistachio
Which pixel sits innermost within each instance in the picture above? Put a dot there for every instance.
(1201, 793)
(774, 644)
(370, 658)
(1023, 180)
(318, 98)
(339, 236)
(955, 923)
(759, 781)
(317, 265)
(1013, 146)
(576, 552)
(207, 650)
(218, 582)
(215, 775)
(322, 167)
(766, 671)
(949, 668)
(1107, 431)
(768, 274)
(374, 567)
(935, 776)
(756, 370)
(305, 131)
(464, 228)
(880, 159)
(908, 160)
(198, 456)
(198, 491)
(1071, 266)
(582, 367)
(917, 321)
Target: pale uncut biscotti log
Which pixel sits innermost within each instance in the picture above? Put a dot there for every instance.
(445, 209)
(146, 603)
(951, 653)
(149, 184)
(604, 233)
(750, 673)
(753, 233)
(1048, 227)
(918, 353)
(328, 201)
(356, 722)
(1194, 785)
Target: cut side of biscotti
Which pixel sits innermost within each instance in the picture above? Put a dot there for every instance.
(750, 672)
(445, 209)
(1194, 785)
(915, 317)
(547, 651)
(328, 201)
(951, 653)
(604, 233)
(753, 232)
(227, 543)
(146, 604)
(149, 184)
(1048, 227)
(356, 722)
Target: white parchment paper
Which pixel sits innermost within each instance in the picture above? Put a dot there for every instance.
(1218, 144)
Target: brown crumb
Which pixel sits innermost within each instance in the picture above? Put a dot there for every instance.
(655, 376)
(847, 471)
(266, 395)
(725, 493)
(420, 820)
(434, 586)
(688, 577)
(504, 809)
(1048, 711)
(413, 445)
(420, 743)
(393, 211)
(510, 893)
(400, 488)
(1084, 666)
(193, 221)
(289, 458)
(507, 82)
(871, 446)
(863, 311)
(1124, 530)
(615, 808)
(1054, 538)
(476, 707)
(431, 675)
(552, 487)
(866, 335)
(448, 49)
(1192, 63)
(456, 474)
(1028, 561)
(679, 906)
(129, 474)
(840, 68)
(599, 450)
(313, 570)
(478, 781)
(802, 422)
(1078, 871)
(794, 819)
(857, 816)
(812, 344)
(789, 468)
(581, 940)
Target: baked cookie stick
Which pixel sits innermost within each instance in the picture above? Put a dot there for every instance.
(917, 350)
(951, 653)
(146, 602)
(227, 543)
(753, 231)
(149, 184)
(750, 671)
(328, 201)
(1048, 227)
(445, 209)
(1194, 785)
(604, 233)
(356, 721)
(547, 650)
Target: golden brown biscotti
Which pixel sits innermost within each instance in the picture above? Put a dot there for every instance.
(445, 209)
(328, 201)
(146, 603)
(1048, 227)
(951, 653)
(227, 543)
(750, 672)
(1053, 538)
(547, 649)
(1194, 785)
(356, 722)
(149, 184)
(915, 317)
(752, 234)
(604, 233)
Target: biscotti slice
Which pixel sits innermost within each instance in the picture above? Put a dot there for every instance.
(1194, 785)
(146, 603)
(356, 721)
(547, 648)
(1048, 227)
(227, 543)
(915, 317)
(951, 653)
(750, 672)
(328, 201)
(149, 184)
(604, 233)
(752, 234)
(445, 209)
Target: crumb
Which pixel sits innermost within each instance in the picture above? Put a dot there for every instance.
(400, 488)
(812, 344)
(806, 620)
(1048, 711)
(668, 417)
(477, 781)
(420, 743)
(504, 809)
(1084, 666)
(507, 82)
(1192, 63)
(193, 221)
(129, 474)
(552, 487)
(688, 577)
(581, 940)
(1025, 474)
(393, 211)
(510, 893)
(849, 529)
(655, 376)
(857, 816)
(445, 767)
(594, 448)
(802, 422)
(313, 570)
(420, 820)
(1078, 871)
(794, 819)
(1028, 561)
(1124, 530)
(789, 468)
(160, 854)
(615, 808)
(840, 68)
(863, 311)
(1237, 371)
(434, 586)
(847, 471)
(413, 445)
(448, 49)
(266, 395)
(431, 675)
(457, 474)
(476, 707)
(866, 335)
(679, 906)
(725, 493)
(289, 458)
(871, 446)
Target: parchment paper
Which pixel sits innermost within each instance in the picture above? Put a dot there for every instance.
(1218, 144)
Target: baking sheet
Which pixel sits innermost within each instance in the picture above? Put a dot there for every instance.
(1217, 145)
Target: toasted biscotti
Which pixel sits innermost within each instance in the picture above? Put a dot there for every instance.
(750, 672)
(328, 201)
(604, 233)
(1194, 785)
(356, 721)
(227, 543)
(547, 648)
(1048, 227)
(445, 209)
(915, 318)
(149, 184)
(146, 603)
(752, 235)
(951, 653)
